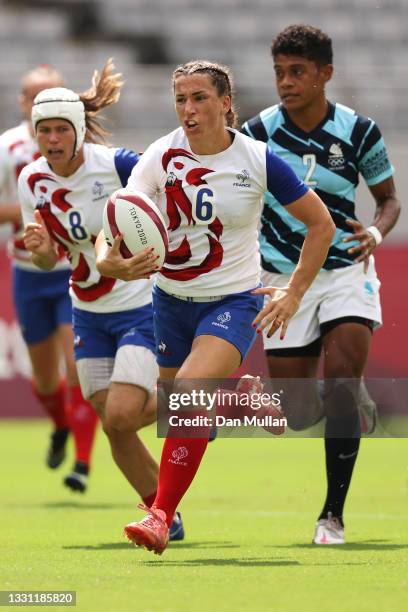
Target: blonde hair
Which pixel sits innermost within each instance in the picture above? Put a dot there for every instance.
(44, 72)
(104, 91)
(221, 78)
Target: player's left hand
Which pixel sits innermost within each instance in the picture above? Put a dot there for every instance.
(278, 310)
(366, 240)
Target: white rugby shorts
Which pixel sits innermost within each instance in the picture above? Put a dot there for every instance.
(344, 292)
(133, 365)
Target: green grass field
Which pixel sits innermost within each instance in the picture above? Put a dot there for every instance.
(249, 517)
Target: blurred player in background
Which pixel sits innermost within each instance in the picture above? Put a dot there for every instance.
(212, 268)
(328, 145)
(63, 196)
(42, 302)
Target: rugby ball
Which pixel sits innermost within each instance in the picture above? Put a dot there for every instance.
(134, 215)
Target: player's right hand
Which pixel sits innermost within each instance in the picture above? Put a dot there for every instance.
(37, 239)
(110, 262)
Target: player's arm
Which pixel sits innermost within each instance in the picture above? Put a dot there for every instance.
(10, 213)
(111, 263)
(311, 211)
(376, 168)
(386, 215)
(37, 240)
(303, 204)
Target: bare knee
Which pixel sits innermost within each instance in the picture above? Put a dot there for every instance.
(124, 408)
(98, 403)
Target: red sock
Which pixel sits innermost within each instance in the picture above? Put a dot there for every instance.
(179, 463)
(55, 405)
(83, 422)
(149, 499)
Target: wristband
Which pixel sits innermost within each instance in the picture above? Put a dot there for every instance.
(376, 234)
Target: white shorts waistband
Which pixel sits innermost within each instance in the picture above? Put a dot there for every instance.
(207, 298)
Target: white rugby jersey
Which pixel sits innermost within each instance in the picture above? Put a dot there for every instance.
(72, 209)
(17, 149)
(212, 204)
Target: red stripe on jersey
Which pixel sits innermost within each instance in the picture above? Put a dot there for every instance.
(82, 271)
(195, 176)
(15, 144)
(180, 255)
(53, 225)
(212, 260)
(216, 227)
(92, 293)
(175, 199)
(19, 244)
(168, 156)
(38, 176)
(58, 198)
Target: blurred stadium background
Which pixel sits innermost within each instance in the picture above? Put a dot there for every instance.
(147, 38)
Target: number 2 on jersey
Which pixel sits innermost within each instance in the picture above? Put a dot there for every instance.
(309, 159)
(204, 205)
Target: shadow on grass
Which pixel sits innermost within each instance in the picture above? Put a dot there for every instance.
(80, 505)
(248, 562)
(379, 545)
(84, 505)
(175, 546)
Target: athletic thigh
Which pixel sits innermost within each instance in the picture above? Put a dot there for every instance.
(66, 339)
(346, 347)
(115, 347)
(95, 350)
(229, 319)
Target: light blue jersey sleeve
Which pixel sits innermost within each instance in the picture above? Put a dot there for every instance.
(373, 160)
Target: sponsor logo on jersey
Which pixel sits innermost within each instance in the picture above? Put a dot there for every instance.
(41, 202)
(131, 332)
(336, 157)
(368, 288)
(162, 348)
(171, 179)
(178, 454)
(98, 191)
(242, 177)
(375, 164)
(78, 341)
(223, 318)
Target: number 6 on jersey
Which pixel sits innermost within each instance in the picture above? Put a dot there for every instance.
(204, 205)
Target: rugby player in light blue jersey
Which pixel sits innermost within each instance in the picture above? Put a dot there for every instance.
(328, 145)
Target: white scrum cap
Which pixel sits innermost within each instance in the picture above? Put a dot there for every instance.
(60, 103)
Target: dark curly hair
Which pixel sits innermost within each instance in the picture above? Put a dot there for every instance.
(305, 41)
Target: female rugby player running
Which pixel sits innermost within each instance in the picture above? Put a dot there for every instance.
(328, 145)
(41, 299)
(63, 195)
(209, 180)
